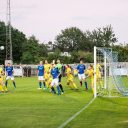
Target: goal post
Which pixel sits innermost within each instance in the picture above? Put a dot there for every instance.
(95, 93)
(105, 72)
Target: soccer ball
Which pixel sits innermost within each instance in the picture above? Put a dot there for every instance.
(1, 47)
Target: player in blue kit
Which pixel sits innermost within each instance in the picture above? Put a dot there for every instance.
(81, 73)
(55, 82)
(40, 73)
(9, 74)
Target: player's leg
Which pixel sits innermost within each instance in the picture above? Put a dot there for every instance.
(69, 83)
(74, 85)
(80, 79)
(47, 83)
(1, 87)
(52, 86)
(6, 82)
(14, 84)
(4, 87)
(85, 82)
(92, 84)
(40, 82)
(72, 82)
(86, 85)
(60, 85)
(1, 84)
(98, 83)
(44, 84)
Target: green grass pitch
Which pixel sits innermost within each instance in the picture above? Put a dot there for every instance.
(27, 107)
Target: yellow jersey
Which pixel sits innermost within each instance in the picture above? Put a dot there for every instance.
(91, 73)
(47, 68)
(69, 73)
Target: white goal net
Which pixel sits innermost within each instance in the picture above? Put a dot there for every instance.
(108, 77)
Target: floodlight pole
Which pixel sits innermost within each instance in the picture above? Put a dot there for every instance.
(8, 33)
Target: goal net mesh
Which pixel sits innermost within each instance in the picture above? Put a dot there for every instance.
(109, 79)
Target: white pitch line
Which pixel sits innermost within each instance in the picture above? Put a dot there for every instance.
(75, 115)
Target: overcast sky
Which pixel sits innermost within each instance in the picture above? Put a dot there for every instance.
(46, 18)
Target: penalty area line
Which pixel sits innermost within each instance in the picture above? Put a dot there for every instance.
(76, 114)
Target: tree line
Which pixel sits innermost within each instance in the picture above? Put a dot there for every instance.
(77, 43)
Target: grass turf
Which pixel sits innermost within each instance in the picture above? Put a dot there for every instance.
(27, 107)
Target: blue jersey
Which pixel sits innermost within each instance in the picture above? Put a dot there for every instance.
(81, 68)
(41, 70)
(9, 70)
(54, 73)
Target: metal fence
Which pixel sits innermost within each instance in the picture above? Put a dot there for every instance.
(30, 70)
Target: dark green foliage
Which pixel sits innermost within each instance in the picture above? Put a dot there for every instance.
(70, 39)
(122, 52)
(2, 41)
(33, 51)
(24, 50)
(79, 44)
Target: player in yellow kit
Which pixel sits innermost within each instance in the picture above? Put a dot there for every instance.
(99, 76)
(90, 74)
(2, 78)
(48, 80)
(1, 84)
(98, 71)
(47, 68)
(70, 80)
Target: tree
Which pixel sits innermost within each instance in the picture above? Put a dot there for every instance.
(18, 39)
(2, 41)
(102, 37)
(33, 52)
(70, 39)
(122, 52)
